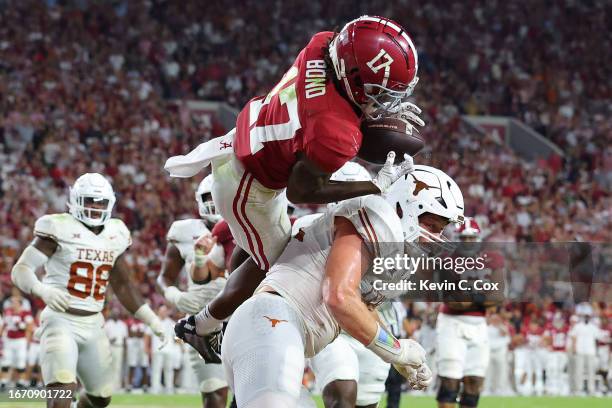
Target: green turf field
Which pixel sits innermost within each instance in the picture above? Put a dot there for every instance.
(193, 401)
(185, 401)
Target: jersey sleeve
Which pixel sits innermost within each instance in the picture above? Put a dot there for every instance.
(124, 235)
(46, 227)
(222, 232)
(330, 141)
(173, 235)
(376, 222)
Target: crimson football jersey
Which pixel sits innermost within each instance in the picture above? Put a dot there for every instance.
(224, 238)
(558, 336)
(136, 328)
(16, 323)
(533, 336)
(303, 113)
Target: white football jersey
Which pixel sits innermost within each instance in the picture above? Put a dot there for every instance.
(83, 261)
(184, 234)
(299, 271)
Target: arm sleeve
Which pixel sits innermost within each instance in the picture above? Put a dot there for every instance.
(330, 142)
(23, 274)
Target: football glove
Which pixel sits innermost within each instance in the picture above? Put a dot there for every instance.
(390, 173)
(55, 298)
(418, 378)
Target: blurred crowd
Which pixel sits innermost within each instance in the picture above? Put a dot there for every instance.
(88, 86)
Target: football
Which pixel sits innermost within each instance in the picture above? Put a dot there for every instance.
(383, 135)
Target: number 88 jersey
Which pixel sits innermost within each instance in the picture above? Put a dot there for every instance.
(83, 260)
(303, 113)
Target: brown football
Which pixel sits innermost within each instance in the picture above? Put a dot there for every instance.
(383, 135)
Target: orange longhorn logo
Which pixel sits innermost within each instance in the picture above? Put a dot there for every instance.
(419, 185)
(300, 235)
(274, 321)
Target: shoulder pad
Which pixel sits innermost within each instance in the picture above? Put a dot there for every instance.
(49, 226)
(376, 221)
(182, 230)
(304, 222)
(122, 230)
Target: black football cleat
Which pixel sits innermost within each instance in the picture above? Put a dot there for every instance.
(208, 346)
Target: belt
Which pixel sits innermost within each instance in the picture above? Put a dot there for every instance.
(79, 312)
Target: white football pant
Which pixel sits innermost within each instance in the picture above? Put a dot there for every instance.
(256, 215)
(263, 353)
(462, 347)
(72, 346)
(347, 359)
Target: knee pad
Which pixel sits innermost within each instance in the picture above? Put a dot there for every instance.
(469, 400)
(447, 395)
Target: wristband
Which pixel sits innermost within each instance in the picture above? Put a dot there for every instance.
(385, 345)
(217, 256)
(146, 315)
(199, 258)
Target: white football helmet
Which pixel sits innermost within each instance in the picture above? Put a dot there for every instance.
(88, 189)
(426, 190)
(350, 171)
(206, 206)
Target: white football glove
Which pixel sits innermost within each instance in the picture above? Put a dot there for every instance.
(419, 378)
(409, 112)
(148, 317)
(55, 298)
(390, 173)
(158, 329)
(412, 354)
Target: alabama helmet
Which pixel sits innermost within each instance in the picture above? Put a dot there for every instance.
(376, 63)
(469, 230)
(88, 189)
(203, 196)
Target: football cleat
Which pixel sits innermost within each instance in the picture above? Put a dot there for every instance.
(208, 346)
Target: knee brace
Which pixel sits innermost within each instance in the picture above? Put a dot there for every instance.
(469, 400)
(447, 395)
